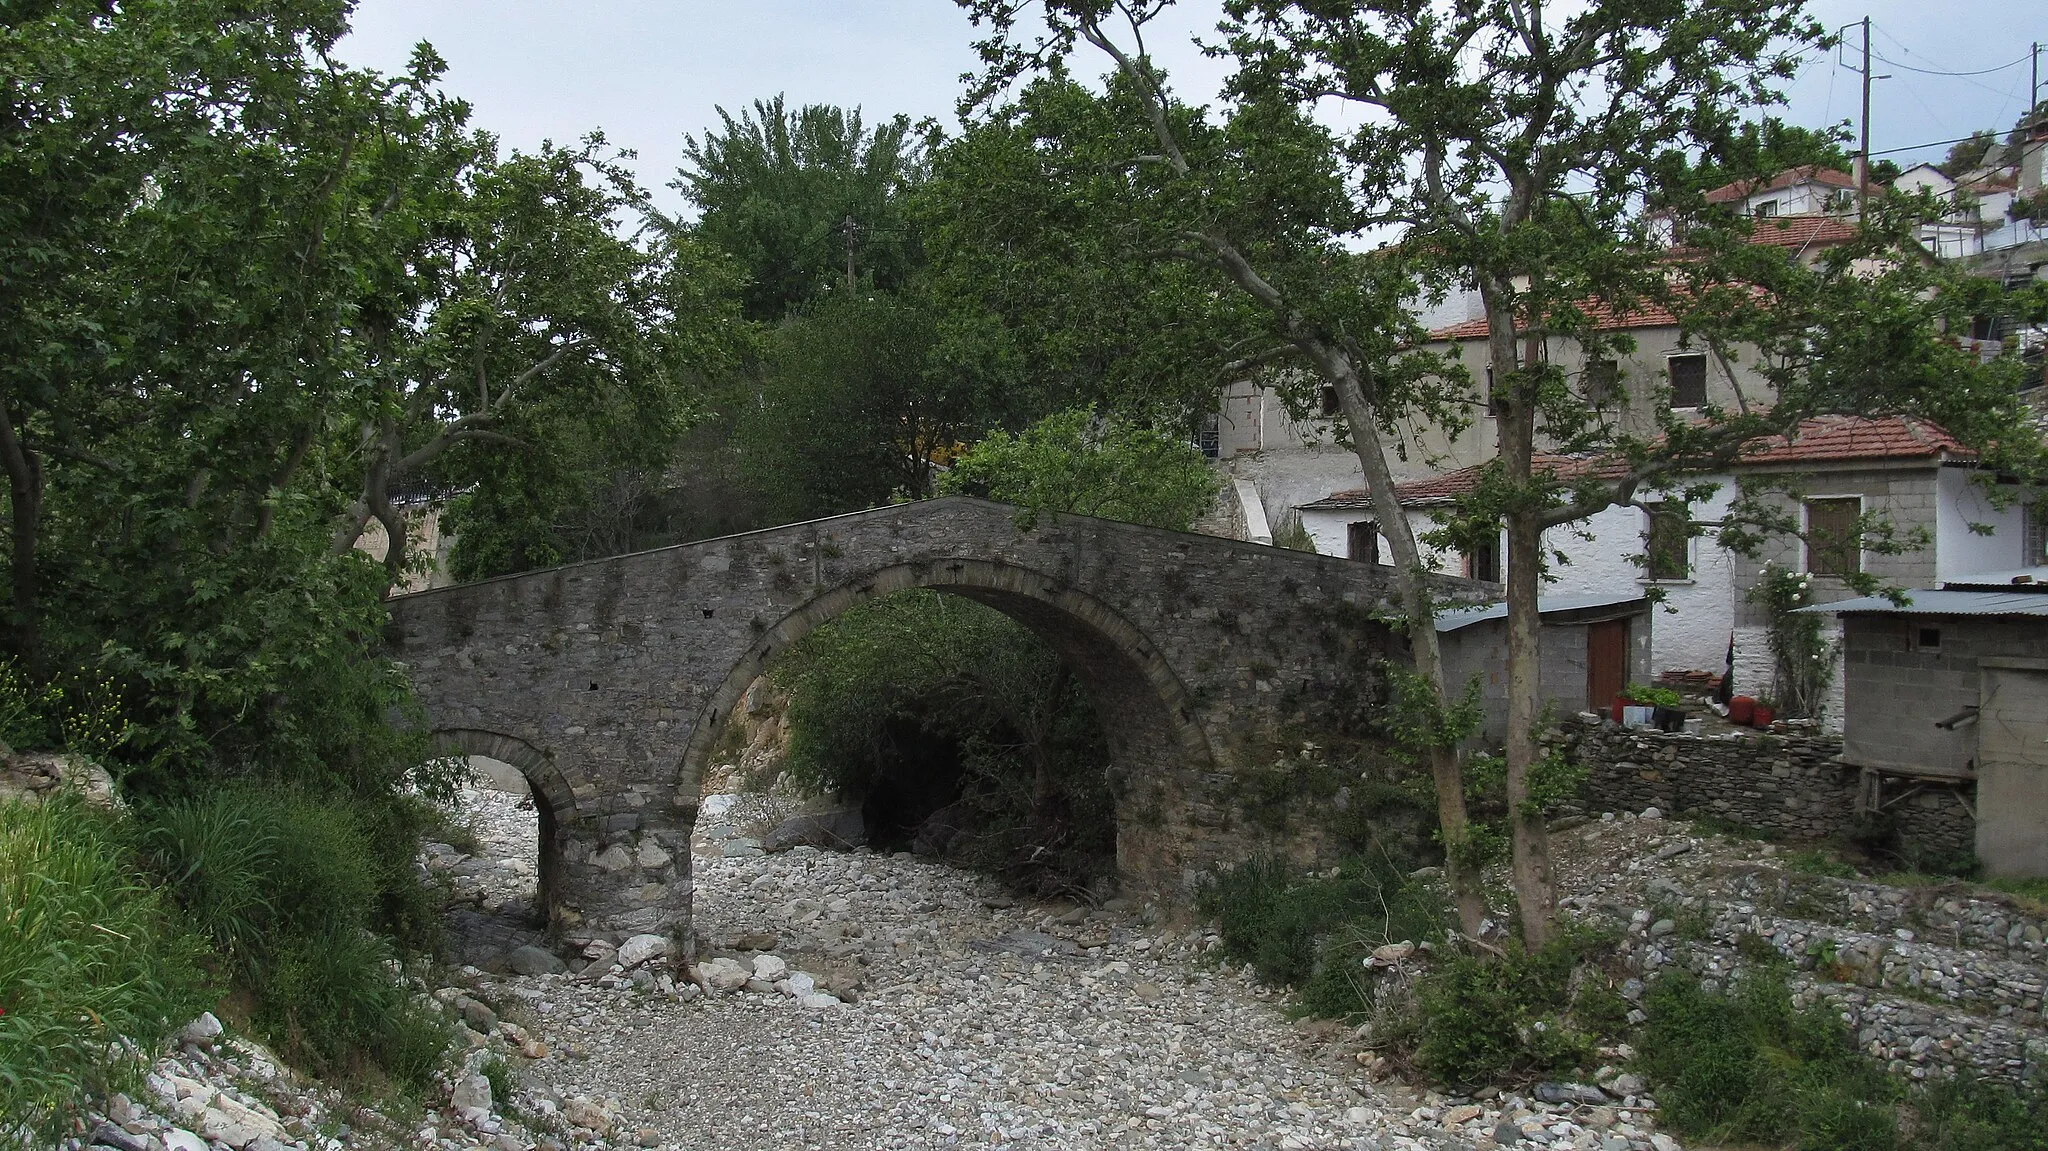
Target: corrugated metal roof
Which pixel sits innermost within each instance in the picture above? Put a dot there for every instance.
(1943, 602)
(1455, 618)
(2034, 577)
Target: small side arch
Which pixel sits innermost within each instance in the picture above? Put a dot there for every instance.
(554, 801)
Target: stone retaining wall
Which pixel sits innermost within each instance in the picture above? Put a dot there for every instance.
(1791, 784)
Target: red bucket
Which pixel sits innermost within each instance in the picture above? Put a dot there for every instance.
(1742, 709)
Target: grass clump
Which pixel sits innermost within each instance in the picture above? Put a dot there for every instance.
(1312, 932)
(89, 957)
(301, 904)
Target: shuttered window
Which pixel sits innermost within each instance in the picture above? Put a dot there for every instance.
(1688, 380)
(1362, 541)
(2035, 548)
(1483, 562)
(1602, 383)
(1833, 545)
(1668, 542)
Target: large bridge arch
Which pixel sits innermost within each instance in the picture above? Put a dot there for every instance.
(1207, 655)
(1145, 709)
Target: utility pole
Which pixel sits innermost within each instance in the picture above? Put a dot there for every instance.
(2034, 79)
(852, 238)
(1863, 156)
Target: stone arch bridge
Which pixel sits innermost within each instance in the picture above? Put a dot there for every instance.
(608, 682)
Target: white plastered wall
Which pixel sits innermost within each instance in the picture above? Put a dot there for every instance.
(1960, 551)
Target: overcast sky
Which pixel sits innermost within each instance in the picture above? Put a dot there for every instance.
(649, 71)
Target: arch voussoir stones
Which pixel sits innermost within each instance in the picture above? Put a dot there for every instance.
(608, 682)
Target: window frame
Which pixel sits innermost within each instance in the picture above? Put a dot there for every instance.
(1597, 392)
(1671, 376)
(1492, 554)
(1370, 531)
(1806, 543)
(2034, 534)
(1680, 511)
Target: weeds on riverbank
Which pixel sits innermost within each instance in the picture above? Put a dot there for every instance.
(301, 906)
(94, 969)
(1746, 1064)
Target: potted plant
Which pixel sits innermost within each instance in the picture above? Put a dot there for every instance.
(1662, 704)
(1764, 714)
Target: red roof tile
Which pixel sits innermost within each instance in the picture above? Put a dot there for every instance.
(1802, 232)
(1605, 317)
(1858, 438)
(1808, 174)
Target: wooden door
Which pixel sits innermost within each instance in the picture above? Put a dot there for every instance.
(1606, 662)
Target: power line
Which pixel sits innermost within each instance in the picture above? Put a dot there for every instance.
(1943, 72)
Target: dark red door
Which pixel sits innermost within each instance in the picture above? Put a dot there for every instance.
(1606, 662)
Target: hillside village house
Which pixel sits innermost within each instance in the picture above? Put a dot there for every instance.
(1909, 471)
(1285, 462)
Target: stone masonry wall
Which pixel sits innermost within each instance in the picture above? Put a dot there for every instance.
(1787, 784)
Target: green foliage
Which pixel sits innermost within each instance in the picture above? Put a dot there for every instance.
(1311, 932)
(1486, 1020)
(776, 187)
(937, 699)
(1748, 1065)
(90, 955)
(1813, 861)
(1292, 535)
(850, 412)
(294, 889)
(1080, 462)
(1645, 695)
(1803, 657)
(1967, 1114)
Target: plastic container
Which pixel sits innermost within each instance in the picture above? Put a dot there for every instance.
(1742, 709)
(1762, 715)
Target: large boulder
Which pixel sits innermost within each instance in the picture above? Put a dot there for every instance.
(531, 960)
(31, 776)
(833, 830)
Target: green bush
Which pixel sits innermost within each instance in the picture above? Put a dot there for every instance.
(1748, 1065)
(1976, 1115)
(1312, 932)
(1486, 1019)
(293, 890)
(88, 956)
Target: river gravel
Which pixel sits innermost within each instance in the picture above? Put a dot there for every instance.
(974, 1021)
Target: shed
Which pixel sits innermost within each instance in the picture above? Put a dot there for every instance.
(1592, 646)
(1952, 685)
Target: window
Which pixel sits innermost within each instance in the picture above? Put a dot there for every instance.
(1492, 404)
(1834, 545)
(1209, 441)
(1767, 209)
(1602, 383)
(1332, 406)
(2034, 548)
(1688, 380)
(1929, 639)
(1483, 563)
(1362, 541)
(1668, 542)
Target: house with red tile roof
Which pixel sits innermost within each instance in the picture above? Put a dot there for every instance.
(1810, 190)
(1826, 476)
